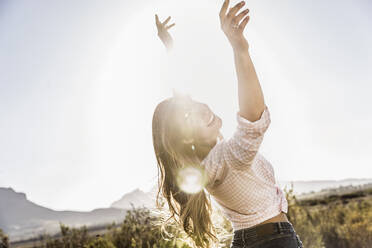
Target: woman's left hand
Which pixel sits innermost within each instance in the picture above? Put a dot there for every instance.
(234, 35)
(163, 31)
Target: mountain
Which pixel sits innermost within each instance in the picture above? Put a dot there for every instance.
(302, 187)
(138, 198)
(21, 218)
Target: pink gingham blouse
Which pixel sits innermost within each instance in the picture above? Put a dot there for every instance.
(241, 180)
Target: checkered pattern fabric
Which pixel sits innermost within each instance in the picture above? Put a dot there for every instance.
(240, 179)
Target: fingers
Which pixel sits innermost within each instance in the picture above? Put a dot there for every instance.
(166, 21)
(170, 26)
(238, 18)
(223, 10)
(234, 10)
(244, 23)
(158, 23)
(230, 17)
(162, 24)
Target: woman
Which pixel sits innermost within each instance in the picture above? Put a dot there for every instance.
(186, 134)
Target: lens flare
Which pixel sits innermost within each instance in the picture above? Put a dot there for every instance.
(191, 180)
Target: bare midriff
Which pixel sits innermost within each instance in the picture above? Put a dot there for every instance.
(282, 217)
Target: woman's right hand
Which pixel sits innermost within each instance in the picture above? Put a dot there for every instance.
(163, 33)
(234, 35)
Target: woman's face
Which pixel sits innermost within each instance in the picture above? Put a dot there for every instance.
(199, 118)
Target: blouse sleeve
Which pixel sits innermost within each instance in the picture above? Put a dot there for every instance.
(241, 149)
(215, 165)
(237, 152)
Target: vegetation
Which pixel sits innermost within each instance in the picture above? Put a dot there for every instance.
(4, 241)
(334, 221)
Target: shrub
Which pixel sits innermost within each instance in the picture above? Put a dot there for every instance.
(70, 237)
(332, 222)
(305, 223)
(329, 222)
(100, 242)
(4, 240)
(140, 228)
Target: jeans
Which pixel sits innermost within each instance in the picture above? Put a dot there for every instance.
(286, 237)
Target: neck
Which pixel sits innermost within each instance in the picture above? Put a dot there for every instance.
(203, 150)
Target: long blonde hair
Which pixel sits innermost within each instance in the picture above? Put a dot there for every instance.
(191, 211)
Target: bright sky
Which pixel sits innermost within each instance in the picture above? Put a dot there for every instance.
(79, 81)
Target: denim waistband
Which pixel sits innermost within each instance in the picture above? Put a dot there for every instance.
(253, 234)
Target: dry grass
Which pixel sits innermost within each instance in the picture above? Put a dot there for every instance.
(335, 221)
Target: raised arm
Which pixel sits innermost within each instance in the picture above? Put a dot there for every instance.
(163, 33)
(251, 100)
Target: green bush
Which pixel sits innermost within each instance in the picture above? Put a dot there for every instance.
(304, 222)
(333, 222)
(70, 237)
(4, 240)
(100, 242)
(141, 229)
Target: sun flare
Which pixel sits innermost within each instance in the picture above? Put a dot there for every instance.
(191, 180)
